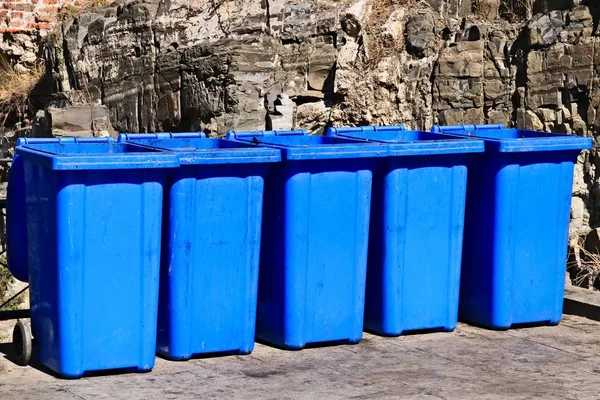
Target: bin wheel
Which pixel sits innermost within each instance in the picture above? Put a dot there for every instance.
(22, 343)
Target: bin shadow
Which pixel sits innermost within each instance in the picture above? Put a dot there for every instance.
(517, 326)
(316, 345)
(412, 332)
(202, 356)
(7, 352)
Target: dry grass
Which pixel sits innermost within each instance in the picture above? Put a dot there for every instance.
(6, 281)
(516, 10)
(99, 3)
(380, 13)
(70, 10)
(15, 87)
(586, 269)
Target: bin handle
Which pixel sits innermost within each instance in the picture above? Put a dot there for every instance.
(60, 140)
(489, 126)
(333, 131)
(123, 137)
(250, 134)
(464, 128)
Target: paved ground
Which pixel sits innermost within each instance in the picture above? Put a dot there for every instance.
(560, 362)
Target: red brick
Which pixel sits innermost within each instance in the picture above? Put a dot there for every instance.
(16, 15)
(13, 30)
(20, 7)
(44, 26)
(48, 10)
(45, 18)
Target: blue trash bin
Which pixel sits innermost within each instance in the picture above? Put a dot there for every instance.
(516, 225)
(416, 232)
(93, 223)
(211, 243)
(315, 232)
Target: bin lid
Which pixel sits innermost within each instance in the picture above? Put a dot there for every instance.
(299, 145)
(92, 153)
(408, 143)
(16, 222)
(499, 139)
(195, 148)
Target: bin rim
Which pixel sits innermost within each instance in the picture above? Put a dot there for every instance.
(33, 151)
(16, 222)
(246, 154)
(351, 148)
(549, 142)
(447, 144)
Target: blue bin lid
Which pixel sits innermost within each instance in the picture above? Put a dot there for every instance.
(406, 142)
(299, 145)
(195, 148)
(92, 153)
(500, 139)
(64, 154)
(16, 222)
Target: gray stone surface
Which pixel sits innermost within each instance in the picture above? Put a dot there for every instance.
(544, 362)
(582, 302)
(78, 121)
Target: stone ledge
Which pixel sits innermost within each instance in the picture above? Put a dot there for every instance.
(582, 302)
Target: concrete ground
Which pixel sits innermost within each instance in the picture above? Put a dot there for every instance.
(561, 362)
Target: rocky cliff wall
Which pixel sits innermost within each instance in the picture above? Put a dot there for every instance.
(214, 65)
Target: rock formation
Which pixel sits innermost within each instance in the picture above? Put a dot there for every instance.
(215, 65)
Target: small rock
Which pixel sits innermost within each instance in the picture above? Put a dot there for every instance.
(581, 14)
(591, 114)
(21, 69)
(393, 29)
(545, 28)
(499, 117)
(578, 210)
(546, 114)
(579, 126)
(78, 120)
(419, 35)
(311, 116)
(28, 57)
(528, 120)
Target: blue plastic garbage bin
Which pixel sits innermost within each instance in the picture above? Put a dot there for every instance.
(416, 232)
(211, 242)
(315, 232)
(516, 225)
(93, 210)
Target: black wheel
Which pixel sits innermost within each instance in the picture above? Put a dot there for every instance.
(22, 343)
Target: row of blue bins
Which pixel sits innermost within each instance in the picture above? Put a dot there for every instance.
(184, 245)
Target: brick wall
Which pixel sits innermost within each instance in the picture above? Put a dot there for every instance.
(31, 15)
